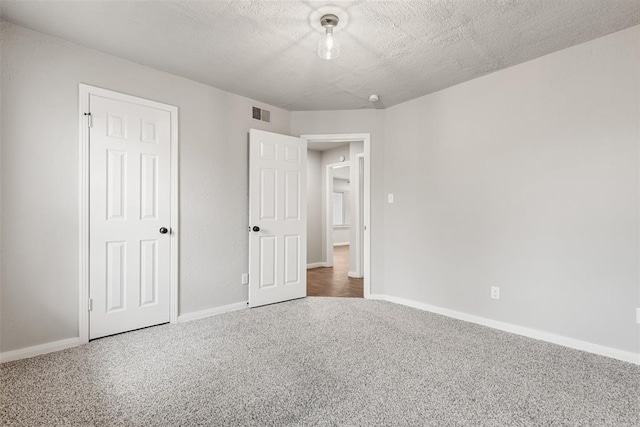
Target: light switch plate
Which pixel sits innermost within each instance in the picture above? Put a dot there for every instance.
(390, 198)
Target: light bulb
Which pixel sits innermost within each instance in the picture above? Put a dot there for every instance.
(328, 45)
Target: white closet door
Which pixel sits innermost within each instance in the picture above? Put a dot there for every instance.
(129, 211)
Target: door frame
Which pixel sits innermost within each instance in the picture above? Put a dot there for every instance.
(359, 182)
(85, 91)
(366, 226)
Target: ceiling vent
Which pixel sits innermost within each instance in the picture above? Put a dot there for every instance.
(261, 114)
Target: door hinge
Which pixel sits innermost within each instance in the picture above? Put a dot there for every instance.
(90, 304)
(89, 119)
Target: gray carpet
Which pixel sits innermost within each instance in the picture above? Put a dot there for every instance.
(320, 361)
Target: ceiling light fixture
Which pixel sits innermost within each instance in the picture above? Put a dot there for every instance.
(328, 46)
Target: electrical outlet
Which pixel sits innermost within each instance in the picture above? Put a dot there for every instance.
(245, 278)
(495, 292)
(390, 198)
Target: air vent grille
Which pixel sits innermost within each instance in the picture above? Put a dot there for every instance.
(256, 113)
(261, 114)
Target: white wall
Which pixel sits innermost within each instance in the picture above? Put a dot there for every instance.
(340, 236)
(526, 179)
(39, 282)
(357, 121)
(333, 155)
(343, 175)
(315, 250)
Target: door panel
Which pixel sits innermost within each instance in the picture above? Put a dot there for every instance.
(291, 259)
(148, 272)
(277, 205)
(268, 184)
(129, 187)
(148, 186)
(292, 196)
(116, 276)
(267, 261)
(116, 181)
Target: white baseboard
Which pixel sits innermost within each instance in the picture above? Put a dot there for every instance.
(354, 275)
(36, 350)
(211, 312)
(316, 265)
(341, 244)
(601, 350)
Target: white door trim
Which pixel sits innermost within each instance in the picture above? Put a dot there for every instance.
(366, 138)
(359, 215)
(84, 92)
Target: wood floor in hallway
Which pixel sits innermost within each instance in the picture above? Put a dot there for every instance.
(334, 281)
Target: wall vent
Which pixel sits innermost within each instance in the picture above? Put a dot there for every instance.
(261, 114)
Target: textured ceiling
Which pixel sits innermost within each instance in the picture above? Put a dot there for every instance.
(266, 49)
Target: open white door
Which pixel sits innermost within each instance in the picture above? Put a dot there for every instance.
(277, 218)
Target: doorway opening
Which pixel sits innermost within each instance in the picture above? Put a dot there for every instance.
(338, 215)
